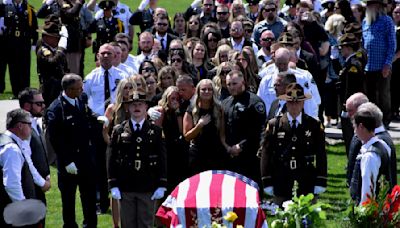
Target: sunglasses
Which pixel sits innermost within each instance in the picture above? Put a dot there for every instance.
(176, 60)
(38, 103)
(162, 24)
(270, 10)
(268, 39)
(209, 5)
(149, 69)
(222, 13)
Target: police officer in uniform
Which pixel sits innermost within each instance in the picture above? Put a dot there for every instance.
(293, 150)
(356, 29)
(351, 80)
(137, 165)
(105, 27)
(142, 16)
(51, 60)
(241, 136)
(20, 35)
(69, 128)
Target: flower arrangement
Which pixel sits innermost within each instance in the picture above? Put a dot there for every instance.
(300, 212)
(377, 211)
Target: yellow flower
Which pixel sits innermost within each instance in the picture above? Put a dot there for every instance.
(230, 216)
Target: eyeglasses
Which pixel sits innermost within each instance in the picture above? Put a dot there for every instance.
(270, 10)
(207, 5)
(38, 103)
(176, 60)
(213, 40)
(149, 69)
(222, 13)
(193, 22)
(162, 24)
(267, 39)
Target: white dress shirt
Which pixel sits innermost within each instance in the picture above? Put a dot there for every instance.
(164, 42)
(291, 118)
(12, 161)
(369, 166)
(139, 59)
(134, 124)
(127, 69)
(94, 87)
(237, 46)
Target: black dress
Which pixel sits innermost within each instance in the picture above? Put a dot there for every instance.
(206, 151)
(177, 158)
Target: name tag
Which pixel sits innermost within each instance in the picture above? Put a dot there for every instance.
(69, 117)
(281, 135)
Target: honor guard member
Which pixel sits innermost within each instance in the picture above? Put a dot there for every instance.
(20, 36)
(351, 80)
(70, 17)
(48, 7)
(144, 17)
(105, 27)
(69, 122)
(243, 122)
(17, 182)
(137, 165)
(356, 29)
(51, 60)
(293, 150)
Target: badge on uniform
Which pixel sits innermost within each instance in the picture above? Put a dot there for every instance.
(359, 55)
(260, 107)
(139, 139)
(69, 117)
(281, 135)
(308, 133)
(66, 5)
(353, 69)
(138, 164)
(150, 132)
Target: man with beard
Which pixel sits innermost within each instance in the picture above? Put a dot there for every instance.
(146, 42)
(31, 100)
(223, 20)
(380, 43)
(237, 39)
(206, 12)
(271, 22)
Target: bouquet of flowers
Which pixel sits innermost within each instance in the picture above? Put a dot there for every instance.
(377, 211)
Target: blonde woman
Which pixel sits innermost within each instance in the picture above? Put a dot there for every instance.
(200, 127)
(222, 54)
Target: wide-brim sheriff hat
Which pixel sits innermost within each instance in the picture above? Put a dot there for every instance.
(353, 27)
(106, 4)
(348, 39)
(24, 213)
(51, 26)
(294, 92)
(137, 96)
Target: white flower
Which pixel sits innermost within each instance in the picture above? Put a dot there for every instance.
(286, 204)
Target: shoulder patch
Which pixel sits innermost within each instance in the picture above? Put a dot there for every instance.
(359, 55)
(260, 107)
(353, 69)
(66, 5)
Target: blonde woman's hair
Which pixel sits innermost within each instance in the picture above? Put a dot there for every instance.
(163, 102)
(215, 104)
(217, 79)
(143, 89)
(167, 70)
(224, 47)
(119, 109)
(335, 24)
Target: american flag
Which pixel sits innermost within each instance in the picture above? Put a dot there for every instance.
(208, 196)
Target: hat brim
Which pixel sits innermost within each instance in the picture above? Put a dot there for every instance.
(348, 43)
(285, 97)
(48, 34)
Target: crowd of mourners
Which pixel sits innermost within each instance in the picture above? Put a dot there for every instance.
(226, 85)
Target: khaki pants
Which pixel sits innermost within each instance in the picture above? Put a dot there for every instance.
(137, 210)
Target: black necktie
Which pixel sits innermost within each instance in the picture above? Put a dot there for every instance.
(294, 124)
(106, 86)
(162, 44)
(39, 130)
(137, 127)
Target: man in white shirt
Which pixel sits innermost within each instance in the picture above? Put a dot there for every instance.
(146, 42)
(266, 89)
(17, 182)
(100, 85)
(373, 159)
(118, 60)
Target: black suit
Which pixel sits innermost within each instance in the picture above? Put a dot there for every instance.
(163, 53)
(69, 130)
(311, 62)
(39, 160)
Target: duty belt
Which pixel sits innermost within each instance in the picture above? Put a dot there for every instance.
(296, 163)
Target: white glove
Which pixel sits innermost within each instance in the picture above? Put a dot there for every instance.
(143, 4)
(158, 194)
(71, 168)
(269, 191)
(318, 190)
(154, 113)
(195, 4)
(2, 26)
(98, 15)
(49, 2)
(63, 42)
(64, 31)
(104, 120)
(33, 48)
(115, 193)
